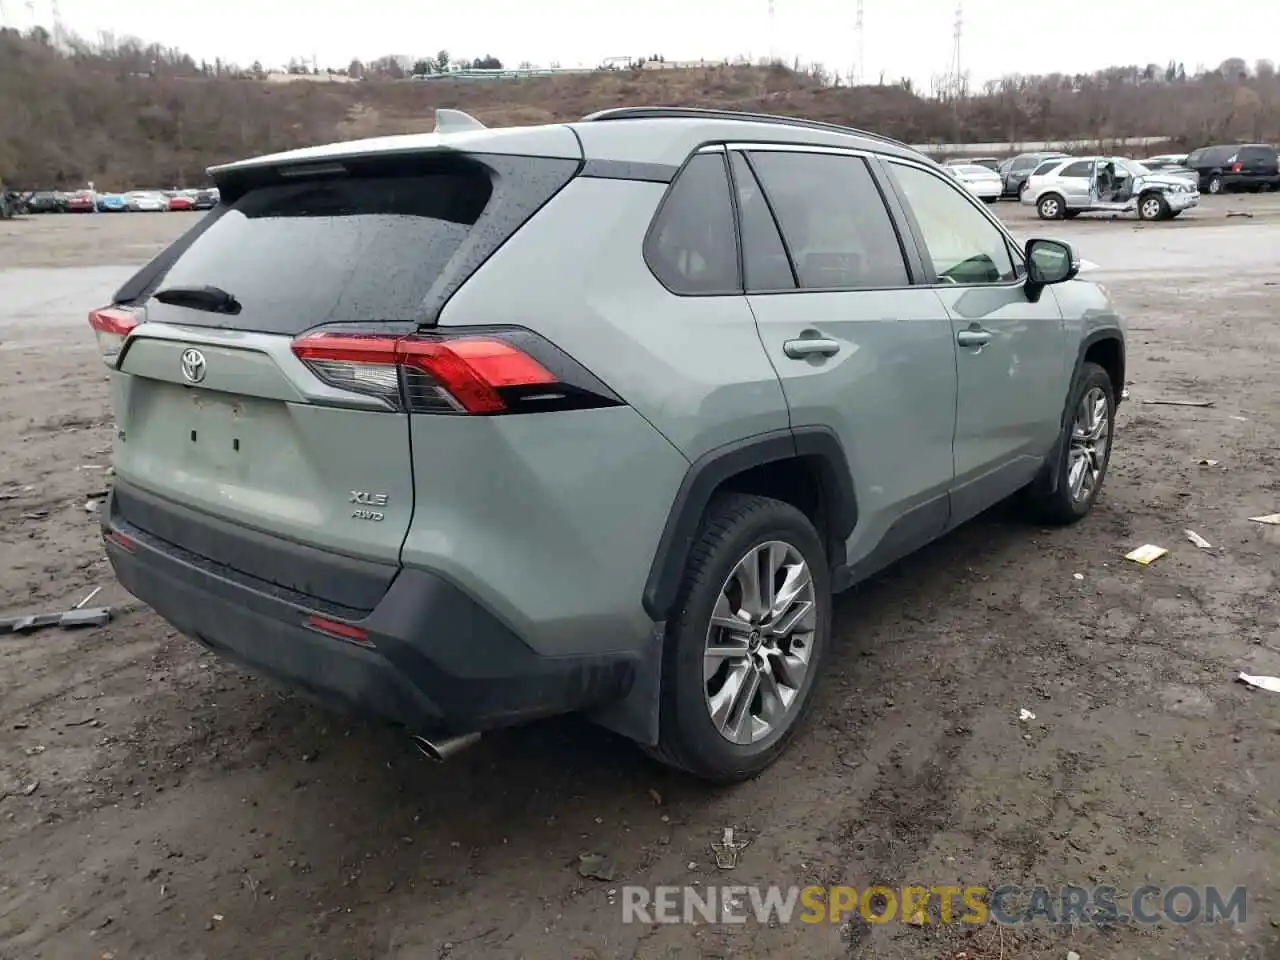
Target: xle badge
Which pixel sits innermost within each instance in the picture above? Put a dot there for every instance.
(363, 500)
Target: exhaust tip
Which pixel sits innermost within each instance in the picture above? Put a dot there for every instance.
(442, 750)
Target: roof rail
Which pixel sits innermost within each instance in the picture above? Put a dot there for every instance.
(455, 121)
(705, 113)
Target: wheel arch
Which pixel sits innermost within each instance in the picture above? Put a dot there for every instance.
(806, 467)
(1050, 194)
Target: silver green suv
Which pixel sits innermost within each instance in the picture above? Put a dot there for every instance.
(469, 428)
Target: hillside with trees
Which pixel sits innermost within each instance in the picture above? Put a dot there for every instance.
(128, 114)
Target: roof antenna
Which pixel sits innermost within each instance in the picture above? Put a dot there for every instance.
(455, 121)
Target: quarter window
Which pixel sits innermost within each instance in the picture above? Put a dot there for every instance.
(834, 220)
(964, 246)
(691, 247)
(1081, 168)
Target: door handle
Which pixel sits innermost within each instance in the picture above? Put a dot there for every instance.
(973, 338)
(809, 347)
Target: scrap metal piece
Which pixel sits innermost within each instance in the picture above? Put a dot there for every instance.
(93, 617)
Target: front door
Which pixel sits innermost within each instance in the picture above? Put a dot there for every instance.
(1011, 356)
(858, 348)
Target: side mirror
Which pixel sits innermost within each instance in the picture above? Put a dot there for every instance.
(1050, 262)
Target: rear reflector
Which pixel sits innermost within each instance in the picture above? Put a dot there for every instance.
(112, 326)
(343, 631)
(430, 373)
(120, 540)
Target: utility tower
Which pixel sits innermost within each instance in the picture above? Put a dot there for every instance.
(957, 74)
(861, 45)
(773, 49)
(59, 34)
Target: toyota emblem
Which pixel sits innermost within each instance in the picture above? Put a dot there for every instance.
(193, 365)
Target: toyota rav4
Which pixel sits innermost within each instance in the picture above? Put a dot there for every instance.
(474, 427)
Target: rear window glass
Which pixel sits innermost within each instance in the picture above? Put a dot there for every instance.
(360, 249)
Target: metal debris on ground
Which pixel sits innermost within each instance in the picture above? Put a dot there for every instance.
(77, 616)
(1198, 540)
(1271, 684)
(1271, 519)
(1207, 463)
(1180, 403)
(1024, 714)
(595, 866)
(1146, 554)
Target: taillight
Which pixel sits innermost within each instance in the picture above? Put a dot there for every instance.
(481, 372)
(112, 326)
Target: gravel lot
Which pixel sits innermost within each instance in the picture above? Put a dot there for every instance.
(155, 803)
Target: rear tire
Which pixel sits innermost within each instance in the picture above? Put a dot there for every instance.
(1215, 184)
(1051, 207)
(1085, 446)
(747, 733)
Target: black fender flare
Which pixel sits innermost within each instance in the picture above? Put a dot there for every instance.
(825, 455)
(1046, 481)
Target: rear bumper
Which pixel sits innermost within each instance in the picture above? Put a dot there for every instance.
(435, 661)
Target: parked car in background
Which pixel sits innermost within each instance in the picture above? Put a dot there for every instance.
(113, 202)
(1247, 166)
(146, 201)
(1165, 161)
(180, 201)
(1079, 185)
(44, 201)
(991, 163)
(205, 199)
(982, 182)
(82, 201)
(1017, 170)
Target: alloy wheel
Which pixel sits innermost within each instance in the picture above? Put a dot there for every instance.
(1090, 437)
(759, 643)
(1151, 209)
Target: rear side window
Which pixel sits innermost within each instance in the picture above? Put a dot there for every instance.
(691, 247)
(359, 249)
(1025, 163)
(833, 219)
(1081, 168)
(1046, 167)
(764, 258)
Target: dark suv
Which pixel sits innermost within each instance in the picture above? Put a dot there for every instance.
(1017, 170)
(1250, 166)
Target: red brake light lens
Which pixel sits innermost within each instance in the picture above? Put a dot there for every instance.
(440, 374)
(112, 326)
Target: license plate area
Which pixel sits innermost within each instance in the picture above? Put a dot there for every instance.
(215, 442)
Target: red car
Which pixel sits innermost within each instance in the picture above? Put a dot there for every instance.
(80, 203)
(181, 203)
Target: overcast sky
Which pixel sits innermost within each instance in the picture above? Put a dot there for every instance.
(903, 38)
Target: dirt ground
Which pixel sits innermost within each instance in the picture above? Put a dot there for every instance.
(156, 804)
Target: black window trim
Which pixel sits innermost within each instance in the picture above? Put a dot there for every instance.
(910, 256)
(930, 278)
(713, 148)
(773, 218)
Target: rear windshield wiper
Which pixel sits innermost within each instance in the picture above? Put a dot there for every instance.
(212, 299)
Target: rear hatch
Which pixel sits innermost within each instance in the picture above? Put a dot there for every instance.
(223, 417)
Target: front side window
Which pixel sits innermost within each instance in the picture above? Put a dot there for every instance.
(964, 246)
(834, 220)
(691, 247)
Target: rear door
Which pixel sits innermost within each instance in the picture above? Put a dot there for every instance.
(1076, 182)
(1257, 163)
(858, 348)
(1011, 355)
(220, 412)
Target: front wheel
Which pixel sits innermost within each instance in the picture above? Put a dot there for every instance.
(748, 640)
(1153, 206)
(1051, 207)
(1084, 449)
